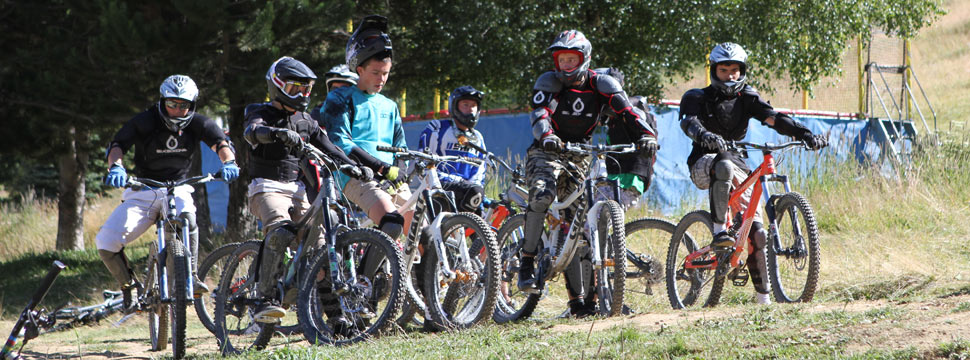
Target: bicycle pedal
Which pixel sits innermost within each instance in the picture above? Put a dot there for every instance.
(739, 277)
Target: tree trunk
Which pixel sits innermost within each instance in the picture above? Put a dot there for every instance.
(240, 224)
(201, 199)
(70, 195)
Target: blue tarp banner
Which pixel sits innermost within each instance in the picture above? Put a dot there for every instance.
(510, 135)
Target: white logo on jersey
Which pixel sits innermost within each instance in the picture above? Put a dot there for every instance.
(172, 142)
(539, 98)
(578, 106)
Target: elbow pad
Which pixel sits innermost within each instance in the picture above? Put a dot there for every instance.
(256, 135)
(785, 125)
(692, 127)
(540, 123)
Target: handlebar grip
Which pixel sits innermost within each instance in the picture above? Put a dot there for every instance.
(391, 149)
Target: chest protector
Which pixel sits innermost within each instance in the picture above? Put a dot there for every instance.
(164, 155)
(575, 113)
(274, 160)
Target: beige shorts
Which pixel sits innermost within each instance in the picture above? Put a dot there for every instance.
(368, 194)
(272, 208)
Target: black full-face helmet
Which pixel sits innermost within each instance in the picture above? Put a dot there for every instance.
(571, 41)
(177, 87)
(465, 93)
(728, 53)
(340, 73)
(369, 40)
(290, 82)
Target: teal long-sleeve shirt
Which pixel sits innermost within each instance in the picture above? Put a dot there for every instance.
(354, 118)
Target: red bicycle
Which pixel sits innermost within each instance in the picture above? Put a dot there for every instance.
(792, 245)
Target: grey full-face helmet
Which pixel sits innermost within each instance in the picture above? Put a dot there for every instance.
(369, 40)
(177, 87)
(571, 41)
(728, 53)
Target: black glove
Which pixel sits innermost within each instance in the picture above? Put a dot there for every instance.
(648, 146)
(552, 143)
(366, 173)
(288, 137)
(713, 141)
(351, 171)
(816, 142)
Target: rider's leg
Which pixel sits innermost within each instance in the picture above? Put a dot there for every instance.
(274, 210)
(378, 203)
(199, 286)
(757, 263)
(468, 195)
(126, 223)
(578, 281)
(720, 193)
(540, 199)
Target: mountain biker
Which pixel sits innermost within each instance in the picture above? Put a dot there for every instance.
(565, 105)
(166, 138)
(719, 113)
(273, 131)
(632, 172)
(359, 119)
(338, 76)
(440, 137)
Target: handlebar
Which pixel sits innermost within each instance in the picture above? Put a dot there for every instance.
(516, 173)
(405, 153)
(767, 146)
(137, 182)
(590, 149)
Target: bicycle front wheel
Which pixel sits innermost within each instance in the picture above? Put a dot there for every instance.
(794, 266)
(646, 242)
(356, 308)
(178, 273)
(157, 311)
(512, 304)
(236, 298)
(469, 298)
(610, 279)
(693, 286)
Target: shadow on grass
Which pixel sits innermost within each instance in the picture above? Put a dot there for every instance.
(80, 283)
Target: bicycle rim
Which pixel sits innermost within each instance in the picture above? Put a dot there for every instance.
(234, 314)
(688, 288)
(209, 270)
(512, 304)
(794, 267)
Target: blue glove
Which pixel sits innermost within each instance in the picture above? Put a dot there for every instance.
(230, 171)
(117, 176)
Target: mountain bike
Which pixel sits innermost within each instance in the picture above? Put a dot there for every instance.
(459, 284)
(31, 320)
(312, 278)
(168, 286)
(596, 224)
(792, 243)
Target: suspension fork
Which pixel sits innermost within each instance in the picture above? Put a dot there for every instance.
(162, 256)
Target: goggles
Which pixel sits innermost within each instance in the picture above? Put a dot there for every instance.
(294, 87)
(178, 105)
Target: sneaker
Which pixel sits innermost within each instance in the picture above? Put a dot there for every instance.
(762, 299)
(129, 297)
(269, 312)
(198, 286)
(527, 276)
(723, 239)
(578, 309)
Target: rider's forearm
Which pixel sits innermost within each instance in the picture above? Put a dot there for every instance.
(785, 125)
(114, 156)
(256, 133)
(224, 151)
(368, 160)
(692, 127)
(541, 127)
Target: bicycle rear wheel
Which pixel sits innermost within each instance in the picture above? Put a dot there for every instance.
(610, 279)
(691, 287)
(512, 304)
(235, 302)
(469, 299)
(178, 272)
(365, 306)
(209, 271)
(646, 244)
(794, 267)
(157, 311)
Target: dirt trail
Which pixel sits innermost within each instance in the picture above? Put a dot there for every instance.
(926, 324)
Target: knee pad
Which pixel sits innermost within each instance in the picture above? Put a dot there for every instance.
(759, 236)
(473, 198)
(392, 224)
(189, 218)
(280, 236)
(723, 170)
(540, 197)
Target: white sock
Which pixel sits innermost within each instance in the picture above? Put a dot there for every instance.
(719, 227)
